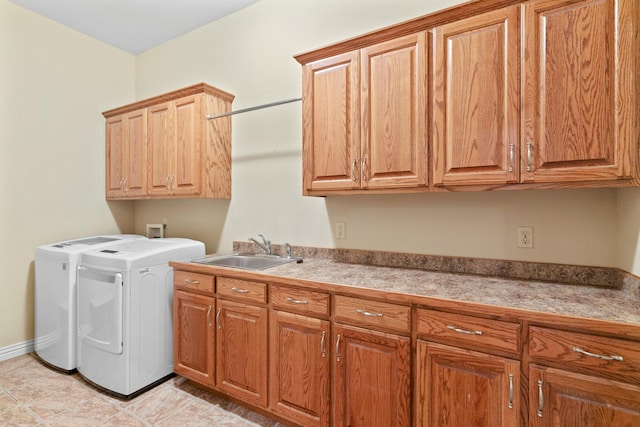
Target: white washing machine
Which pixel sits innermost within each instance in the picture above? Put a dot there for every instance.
(55, 297)
(125, 301)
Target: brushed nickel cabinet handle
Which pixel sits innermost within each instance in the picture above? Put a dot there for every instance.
(463, 331)
(364, 169)
(510, 405)
(512, 156)
(240, 291)
(218, 318)
(598, 356)
(166, 183)
(353, 170)
(209, 316)
(540, 398)
(368, 313)
(191, 282)
(297, 301)
(338, 348)
(322, 349)
(529, 157)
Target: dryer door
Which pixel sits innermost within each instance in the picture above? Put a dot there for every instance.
(100, 309)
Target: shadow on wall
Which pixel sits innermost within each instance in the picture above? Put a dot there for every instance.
(198, 219)
(29, 302)
(122, 211)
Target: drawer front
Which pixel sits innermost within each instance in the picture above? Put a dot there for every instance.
(243, 290)
(616, 358)
(459, 329)
(194, 281)
(299, 300)
(373, 313)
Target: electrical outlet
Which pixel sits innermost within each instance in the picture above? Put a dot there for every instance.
(341, 230)
(525, 237)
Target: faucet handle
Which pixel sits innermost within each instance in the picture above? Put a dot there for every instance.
(288, 248)
(265, 240)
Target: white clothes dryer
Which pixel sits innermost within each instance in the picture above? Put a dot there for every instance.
(125, 302)
(56, 296)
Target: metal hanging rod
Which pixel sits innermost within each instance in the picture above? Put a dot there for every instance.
(257, 107)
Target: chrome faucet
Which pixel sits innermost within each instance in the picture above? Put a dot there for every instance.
(267, 244)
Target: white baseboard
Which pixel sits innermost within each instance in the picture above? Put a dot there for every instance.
(15, 350)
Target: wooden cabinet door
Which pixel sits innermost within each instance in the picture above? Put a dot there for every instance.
(371, 378)
(564, 399)
(160, 138)
(136, 151)
(193, 337)
(330, 116)
(241, 351)
(299, 379)
(393, 115)
(126, 155)
(578, 79)
(457, 387)
(186, 156)
(116, 149)
(476, 99)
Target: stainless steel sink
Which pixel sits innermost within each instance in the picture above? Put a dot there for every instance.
(246, 261)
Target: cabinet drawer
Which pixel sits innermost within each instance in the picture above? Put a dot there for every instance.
(194, 281)
(244, 290)
(299, 300)
(373, 313)
(459, 329)
(616, 358)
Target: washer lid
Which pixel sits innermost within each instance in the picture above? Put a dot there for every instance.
(143, 253)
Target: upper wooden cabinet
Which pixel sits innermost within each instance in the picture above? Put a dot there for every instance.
(165, 146)
(579, 98)
(476, 99)
(519, 94)
(364, 118)
(127, 155)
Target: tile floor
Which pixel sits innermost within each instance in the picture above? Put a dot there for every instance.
(32, 394)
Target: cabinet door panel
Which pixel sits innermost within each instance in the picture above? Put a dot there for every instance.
(457, 387)
(160, 144)
(477, 99)
(393, 85)
(560, 398)
(136, 183)
(371, 378)
(188, 143)
(299, 383)
(331, 111)
(116, 159)
(193, 348)
(241, 351)
(576, 77)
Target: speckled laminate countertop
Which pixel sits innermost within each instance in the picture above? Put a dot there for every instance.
(617, 305)
(600, 293)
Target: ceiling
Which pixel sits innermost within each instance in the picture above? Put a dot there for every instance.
(134, 25)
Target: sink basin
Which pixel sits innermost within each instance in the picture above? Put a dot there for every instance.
(245, 261)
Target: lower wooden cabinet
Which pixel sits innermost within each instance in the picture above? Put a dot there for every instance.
(561, 398)
(193, 337)
(316, 358)
(371, 378)
(299, 380)
(241, 351)
(458, 387)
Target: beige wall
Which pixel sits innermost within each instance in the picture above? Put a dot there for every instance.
(54, 83)
(255, 62)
